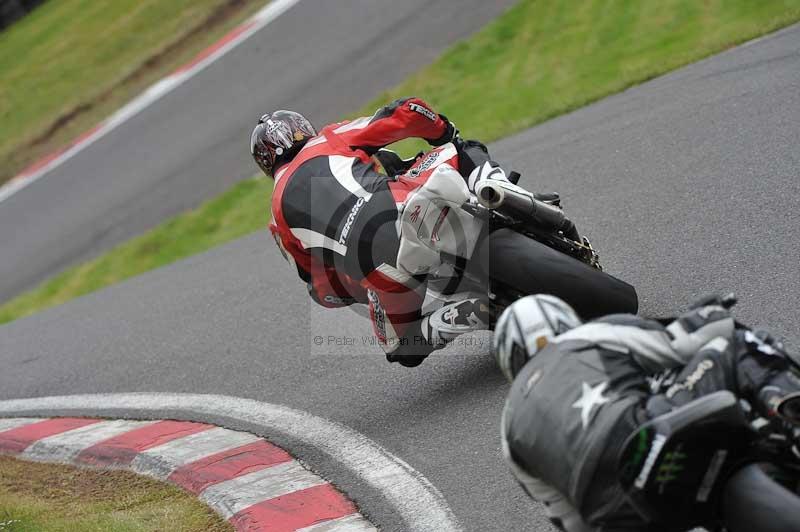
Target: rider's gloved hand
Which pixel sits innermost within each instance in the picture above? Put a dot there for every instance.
(697, 327)
(393, 164)
(761, 358)
(767, 375)
(449, 135)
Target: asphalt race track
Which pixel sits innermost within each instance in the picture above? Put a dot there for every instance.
(686, 184)
(326, 58)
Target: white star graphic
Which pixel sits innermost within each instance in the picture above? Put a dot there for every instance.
(590, 398)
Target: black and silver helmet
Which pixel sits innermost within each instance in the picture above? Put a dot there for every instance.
(526, 327)
(279, 134)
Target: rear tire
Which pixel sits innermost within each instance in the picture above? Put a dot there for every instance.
(752, 501)
(529, 267)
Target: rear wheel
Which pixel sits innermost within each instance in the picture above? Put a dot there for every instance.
(753, 501)
(518, 265)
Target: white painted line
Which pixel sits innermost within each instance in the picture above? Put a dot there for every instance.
(416, 501)
(161, 461)
(13, 423)
(232, 496)
(351, 523)
(65, 446)
(155, 92)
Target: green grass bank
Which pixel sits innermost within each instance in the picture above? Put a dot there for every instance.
(70, 63)
(37, 497)
(544, 58)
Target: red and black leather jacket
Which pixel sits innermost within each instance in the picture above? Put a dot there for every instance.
(332, 187)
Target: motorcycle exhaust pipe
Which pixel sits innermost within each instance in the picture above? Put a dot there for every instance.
(507, 198)
(489, 195)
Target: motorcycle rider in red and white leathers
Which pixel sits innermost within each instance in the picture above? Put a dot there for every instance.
(335, 216)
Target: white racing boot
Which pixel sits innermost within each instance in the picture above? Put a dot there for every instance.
(454, 319)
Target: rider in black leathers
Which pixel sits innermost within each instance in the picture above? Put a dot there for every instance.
(574, 404)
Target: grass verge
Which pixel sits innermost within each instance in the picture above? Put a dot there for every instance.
(57, 498)
(242, 209)
(540, 59)
(544, 58)
(70, 63)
